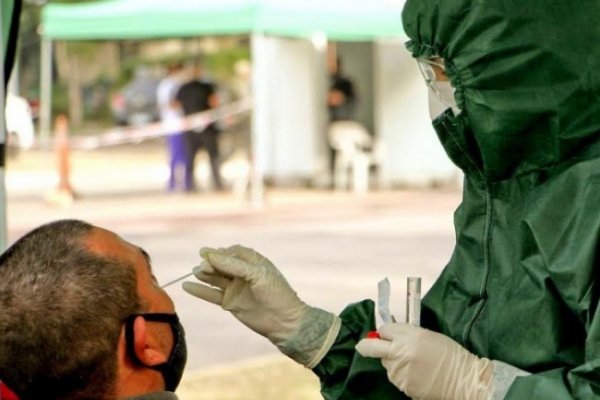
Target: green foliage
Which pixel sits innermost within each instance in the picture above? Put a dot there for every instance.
(221, 64)
(68, 1)
(60, 99)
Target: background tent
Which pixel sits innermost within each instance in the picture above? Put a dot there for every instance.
(142, 19)
(302, 121)
(289, 76)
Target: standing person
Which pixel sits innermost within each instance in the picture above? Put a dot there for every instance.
(84, 318)
(171, 117)
(514, 314)
(195, 96)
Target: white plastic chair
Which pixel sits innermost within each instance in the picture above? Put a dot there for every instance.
(354, 152)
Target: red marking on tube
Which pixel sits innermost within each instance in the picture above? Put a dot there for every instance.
(373, 335)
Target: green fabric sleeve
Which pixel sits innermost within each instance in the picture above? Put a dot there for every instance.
(345, 374)
(556, 384)
(579, 382)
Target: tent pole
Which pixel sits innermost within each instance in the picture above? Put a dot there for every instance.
(320, 87)
(45, 91)
(259, 130)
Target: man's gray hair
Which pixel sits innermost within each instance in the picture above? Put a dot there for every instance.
(61, 312)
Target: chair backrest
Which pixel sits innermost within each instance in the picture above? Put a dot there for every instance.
(348, 136)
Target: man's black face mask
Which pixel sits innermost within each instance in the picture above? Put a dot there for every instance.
(172, 369)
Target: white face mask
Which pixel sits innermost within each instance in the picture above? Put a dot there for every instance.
(441, 98)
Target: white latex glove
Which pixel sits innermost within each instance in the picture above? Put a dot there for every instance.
(428, 365)
(247, 284)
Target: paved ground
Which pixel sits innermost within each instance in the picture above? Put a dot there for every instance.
(333, 248)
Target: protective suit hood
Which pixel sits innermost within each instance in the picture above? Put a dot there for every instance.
(529, 92)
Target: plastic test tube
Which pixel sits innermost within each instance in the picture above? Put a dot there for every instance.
(413, 301)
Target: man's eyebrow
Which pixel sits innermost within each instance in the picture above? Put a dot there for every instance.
(148, 263)
(147, 257)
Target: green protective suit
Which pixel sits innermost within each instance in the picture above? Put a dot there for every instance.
(522, 285)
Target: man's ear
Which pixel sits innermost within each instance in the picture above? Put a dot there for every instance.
(146, 348)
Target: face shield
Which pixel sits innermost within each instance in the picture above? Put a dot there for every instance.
(441, 93)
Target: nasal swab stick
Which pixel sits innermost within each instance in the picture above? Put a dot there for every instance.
(177, 280)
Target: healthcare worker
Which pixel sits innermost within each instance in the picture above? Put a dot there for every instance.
(515, 312)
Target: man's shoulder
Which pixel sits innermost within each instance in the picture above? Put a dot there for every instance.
(194, 86)
(198, 83)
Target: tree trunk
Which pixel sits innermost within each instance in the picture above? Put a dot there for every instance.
(68, 70)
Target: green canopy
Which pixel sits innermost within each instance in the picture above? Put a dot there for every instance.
(145, 19)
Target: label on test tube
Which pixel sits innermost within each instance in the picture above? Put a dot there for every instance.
(413, 301)
(383, 301)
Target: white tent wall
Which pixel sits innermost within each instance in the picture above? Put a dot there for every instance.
(289, 108)
(413, 153)
(289, 134)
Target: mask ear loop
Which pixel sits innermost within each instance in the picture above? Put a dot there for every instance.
(129, 338)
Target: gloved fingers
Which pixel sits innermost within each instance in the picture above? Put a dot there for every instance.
(204, 251)
(204, 292)
(230, 251)
(204, 268)
(229, 265)
(393, 330)
(247, 254)
(214, 280)
(375, 348)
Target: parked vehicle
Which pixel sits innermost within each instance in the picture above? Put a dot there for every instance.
(135, 104)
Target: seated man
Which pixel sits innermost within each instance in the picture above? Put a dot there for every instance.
(82, 317)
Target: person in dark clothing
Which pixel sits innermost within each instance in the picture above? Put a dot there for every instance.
(341, 102)
(341, 98)
(195, 96)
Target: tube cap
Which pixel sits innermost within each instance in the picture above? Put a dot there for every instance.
(373, 335)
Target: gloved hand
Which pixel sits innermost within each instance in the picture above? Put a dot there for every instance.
(428, 365)
(247, 284)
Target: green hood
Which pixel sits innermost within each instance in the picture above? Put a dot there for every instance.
(527, 75)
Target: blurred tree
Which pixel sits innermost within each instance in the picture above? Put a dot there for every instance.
(74, 63)
(67, 57)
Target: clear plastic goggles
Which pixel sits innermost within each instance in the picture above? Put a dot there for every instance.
(434, 74)
(433, 71)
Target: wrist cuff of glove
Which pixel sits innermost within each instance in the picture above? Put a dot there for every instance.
(313, 339)
(327, 343)
(503, 377)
